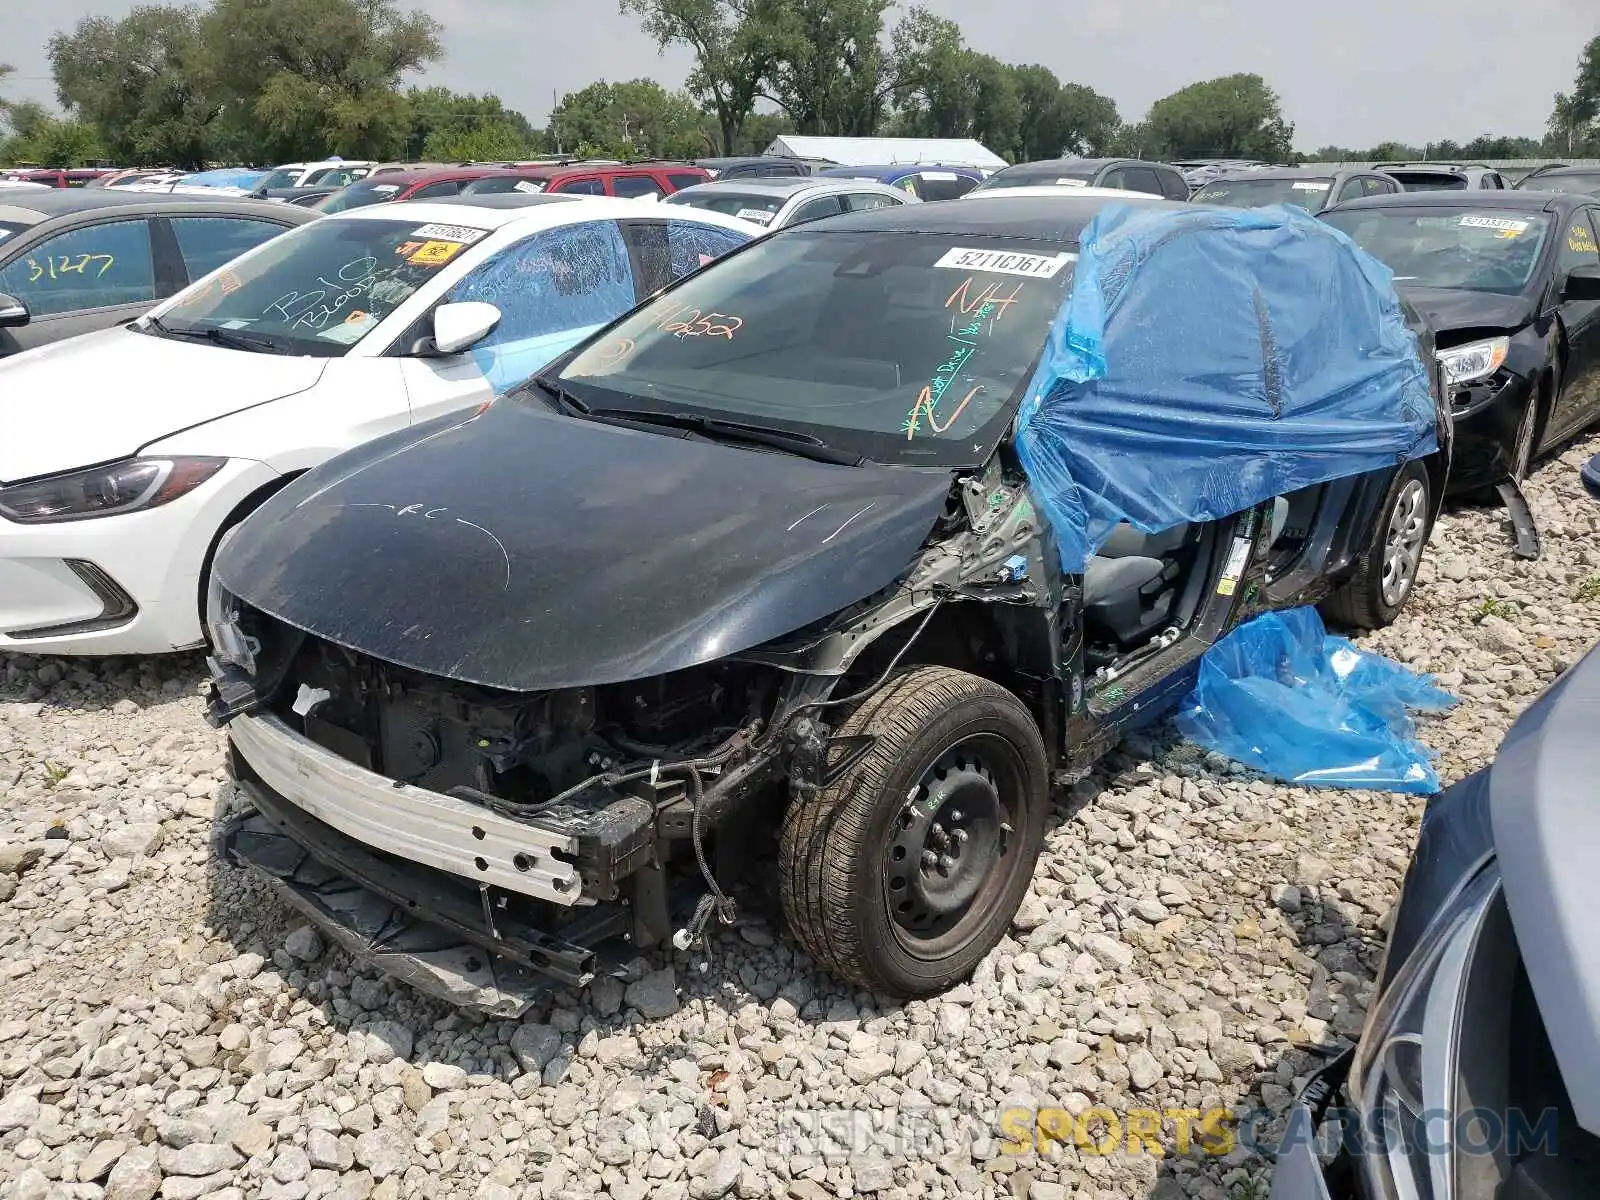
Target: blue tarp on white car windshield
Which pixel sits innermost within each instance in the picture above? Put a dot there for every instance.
(1210, 359)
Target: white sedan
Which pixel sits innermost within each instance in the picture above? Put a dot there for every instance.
(128, 453)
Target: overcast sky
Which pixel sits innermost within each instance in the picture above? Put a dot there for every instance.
(1350, 72)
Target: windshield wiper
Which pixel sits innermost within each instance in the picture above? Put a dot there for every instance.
(804, 445)
(233, 339)
(565, 401)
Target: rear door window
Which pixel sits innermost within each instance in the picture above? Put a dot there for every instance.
(813, 210)
(96, 266)
(867, 201)
(1143, 179)
(636, 187)
(450, 187)
(583, 185)
(666, 251)
(1172, 185)
(679, 180)
(208, 242)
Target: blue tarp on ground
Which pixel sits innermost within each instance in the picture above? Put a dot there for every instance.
(1282, 695)
(1210, 359)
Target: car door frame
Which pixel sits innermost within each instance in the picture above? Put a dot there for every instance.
(1580, 326)
(89, 320)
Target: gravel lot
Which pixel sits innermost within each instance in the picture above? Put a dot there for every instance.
(166, 1030)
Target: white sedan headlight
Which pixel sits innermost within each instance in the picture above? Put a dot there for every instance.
(1475, 360)
(121, 487)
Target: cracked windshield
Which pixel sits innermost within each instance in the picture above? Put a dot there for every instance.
(322, 289)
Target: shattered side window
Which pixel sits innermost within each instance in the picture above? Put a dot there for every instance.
(693, 246)
(551, 289)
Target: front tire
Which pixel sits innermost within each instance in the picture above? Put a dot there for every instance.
(1386, 573)
(901, 876)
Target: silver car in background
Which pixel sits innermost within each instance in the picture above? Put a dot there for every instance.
(775, 202)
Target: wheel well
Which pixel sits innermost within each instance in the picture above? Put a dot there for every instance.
(240, 511)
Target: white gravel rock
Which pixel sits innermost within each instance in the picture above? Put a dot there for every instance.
(171, 1030)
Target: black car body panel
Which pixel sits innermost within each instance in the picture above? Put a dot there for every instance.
(624, 554)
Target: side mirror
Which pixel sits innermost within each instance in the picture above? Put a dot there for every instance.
(1583, 283)
(13, 312)
(458, 326)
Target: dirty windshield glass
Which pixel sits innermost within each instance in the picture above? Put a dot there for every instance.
(1309, 194)
(901, 347)
(322, 288)
(359, 195)
(1039, 176)
(1583, 184)
(747, 206)
(1481, 250)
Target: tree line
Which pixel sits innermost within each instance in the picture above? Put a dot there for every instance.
(264, 81)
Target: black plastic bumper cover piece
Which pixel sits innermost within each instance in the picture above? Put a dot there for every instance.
(401, 922)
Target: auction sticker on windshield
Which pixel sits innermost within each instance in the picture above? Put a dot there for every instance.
(434, 254)
(1083, 183)
(1309, 187)
(759, 215)
(465, 234)
(1002, 262)
(1504, 224)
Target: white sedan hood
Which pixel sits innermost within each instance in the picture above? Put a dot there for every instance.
(103, 396)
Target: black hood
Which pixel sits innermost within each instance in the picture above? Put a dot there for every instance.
(525, 550)
(1448, 309)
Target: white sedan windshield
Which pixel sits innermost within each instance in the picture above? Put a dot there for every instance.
(321, 289)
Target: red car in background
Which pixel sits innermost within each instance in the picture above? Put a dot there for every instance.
(578, 178)
(635, 179)
(57, 178)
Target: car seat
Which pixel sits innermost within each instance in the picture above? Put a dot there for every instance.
(1131, 584)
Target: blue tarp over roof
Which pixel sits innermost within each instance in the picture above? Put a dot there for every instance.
(1210, 359)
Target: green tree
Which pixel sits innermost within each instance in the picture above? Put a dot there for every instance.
(303, 78)
(758, 131)
(636, 119)
(1574, 127)
(829, 65)
(451, 126)
(143, 82)
(733, 46)
(1235, 116)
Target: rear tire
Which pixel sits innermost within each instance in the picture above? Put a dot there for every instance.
(1386, 573)
(902, 875)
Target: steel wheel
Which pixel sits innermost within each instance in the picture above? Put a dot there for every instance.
(1402, 548)
(950, 844)
(904, 872)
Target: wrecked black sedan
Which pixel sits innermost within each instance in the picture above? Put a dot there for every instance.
(846, 549)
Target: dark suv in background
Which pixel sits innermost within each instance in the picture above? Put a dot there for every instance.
(1127, 174)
